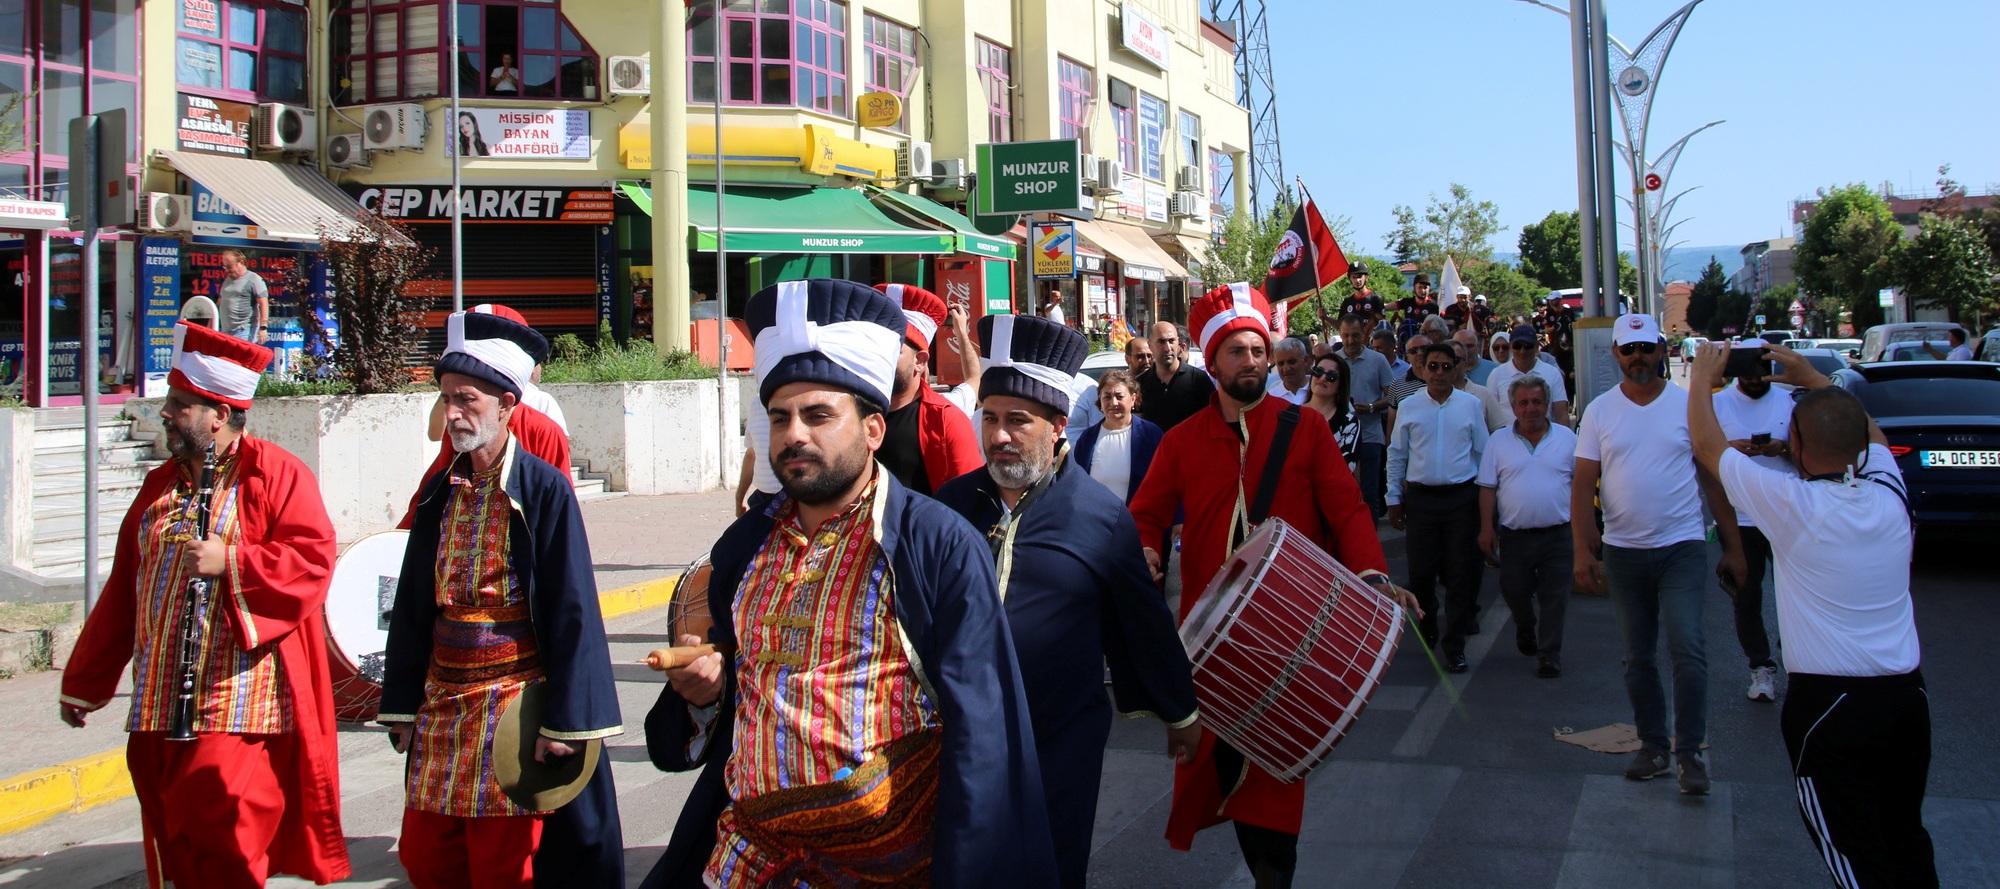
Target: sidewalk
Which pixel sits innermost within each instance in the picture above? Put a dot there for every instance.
(640, 545)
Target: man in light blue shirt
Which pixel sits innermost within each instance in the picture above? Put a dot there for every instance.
(1434, 455)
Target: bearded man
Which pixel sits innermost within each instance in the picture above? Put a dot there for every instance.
(1211, 465)
(862, 721)
(1076, 588)
(928, 440)
(497, 597)
(257, 791)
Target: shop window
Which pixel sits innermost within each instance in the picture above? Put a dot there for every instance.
(1191, 154)
(1152, 135)
(1079, 87)
(995, 64)
(240, 49)
(773, 53)
(392, 50)
(60, 59)
(1125, 122)
(892, 61)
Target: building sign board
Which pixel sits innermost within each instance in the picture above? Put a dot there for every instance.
(1053, 254)
(159, 301)
(1144, 36)
(432, 203)
(521, 133)
(218, 222)
(212, 126)
(878, 109)
(16, 214)
(1029, 177)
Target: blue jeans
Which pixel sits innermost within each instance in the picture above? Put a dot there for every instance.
(247, 334)
(1371, 458)
(1654, 589)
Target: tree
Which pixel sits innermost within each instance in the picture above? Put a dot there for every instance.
(1845, 255)
(1552, 251)
(14, 122)
(370, 262)
(1321, 312)
(1732, 312)
(1461, 228)
(1508, 292)
(1243, 253)
(1707, 293)
(1948, 266)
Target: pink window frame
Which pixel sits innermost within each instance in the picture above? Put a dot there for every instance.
(871, 23)
(257, 50)
(995, 63)
(1079, 90)
(796, 26)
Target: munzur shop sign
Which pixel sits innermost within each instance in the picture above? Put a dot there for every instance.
(1029, 177)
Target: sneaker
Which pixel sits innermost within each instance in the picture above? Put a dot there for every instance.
(1694, 773)
(1647, 764)
(1761, 688)
(1550, 668)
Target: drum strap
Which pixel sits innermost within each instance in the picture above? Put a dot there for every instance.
(1274, 466)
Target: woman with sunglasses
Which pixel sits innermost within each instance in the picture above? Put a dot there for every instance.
(1329, 396)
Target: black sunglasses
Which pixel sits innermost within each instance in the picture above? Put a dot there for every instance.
(1638, 348)
(1328, 372)
(1437, 366)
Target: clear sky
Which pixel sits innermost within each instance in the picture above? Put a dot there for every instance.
(1382, 102)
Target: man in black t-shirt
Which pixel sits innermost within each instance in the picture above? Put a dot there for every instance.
(1365, 301)
(1482, 316)
(1460, 310)
(1172, 391)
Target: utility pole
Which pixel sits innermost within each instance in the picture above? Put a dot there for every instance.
(669, 177)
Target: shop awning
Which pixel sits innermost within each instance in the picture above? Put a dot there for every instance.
(798, 220)
(288, 202)
(1134, 249)
(970, 239)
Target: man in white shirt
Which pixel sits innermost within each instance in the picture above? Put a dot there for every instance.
(506, 79)
(1524, 521)
(1291, 360)
(1758, 422)
(1434, 454)
(1635, 439)
(1840, 531)
(1527, 351)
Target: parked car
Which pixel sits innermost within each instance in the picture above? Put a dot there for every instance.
(1097, 363)
(1942, 420)
(1826, 361)
(1777, 336)
(1916, 351)
(1989, 346)
(1838, 345)
(1875, 343)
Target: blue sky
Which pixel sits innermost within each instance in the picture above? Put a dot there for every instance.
(1427, 92)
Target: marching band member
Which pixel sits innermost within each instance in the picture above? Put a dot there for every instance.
(1212, 465)
(928, 442)
(1071, 575)
(497, 595)
(256, 790)
(867, 725)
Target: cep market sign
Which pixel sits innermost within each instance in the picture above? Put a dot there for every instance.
(1029, 177)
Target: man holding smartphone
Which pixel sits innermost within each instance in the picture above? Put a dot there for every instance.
(1757, 422)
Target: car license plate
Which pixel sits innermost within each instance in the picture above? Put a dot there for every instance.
(1959, 459)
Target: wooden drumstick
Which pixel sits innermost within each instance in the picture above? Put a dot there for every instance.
(676, 657)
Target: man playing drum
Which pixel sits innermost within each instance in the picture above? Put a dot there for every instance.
(256, 789)
(1211, 464)
(496, 595)
(866, 725)
(1071, 575)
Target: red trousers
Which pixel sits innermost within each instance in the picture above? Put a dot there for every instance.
(210, 807)
(448, 852)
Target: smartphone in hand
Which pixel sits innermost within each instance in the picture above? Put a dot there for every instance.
(1748, 361)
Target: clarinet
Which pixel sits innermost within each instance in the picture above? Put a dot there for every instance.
(194, 615)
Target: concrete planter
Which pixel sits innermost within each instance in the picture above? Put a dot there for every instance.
(370, 452)
(655, 437)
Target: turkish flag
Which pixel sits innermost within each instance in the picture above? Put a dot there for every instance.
(1307, 258)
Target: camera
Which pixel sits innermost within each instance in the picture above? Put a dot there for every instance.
(1748, 361)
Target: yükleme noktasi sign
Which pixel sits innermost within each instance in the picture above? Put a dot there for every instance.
(535, 203)
(1029, 177)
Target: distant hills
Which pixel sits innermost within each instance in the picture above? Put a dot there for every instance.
(1683, 263)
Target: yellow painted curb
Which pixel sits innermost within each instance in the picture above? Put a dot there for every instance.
(33, 797)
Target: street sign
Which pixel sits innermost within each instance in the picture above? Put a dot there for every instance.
(1634, 80)
(1030, 177)
(1760, 321)
(1886, 297)
(1053, 250)
(878, 109)
(1653, 182)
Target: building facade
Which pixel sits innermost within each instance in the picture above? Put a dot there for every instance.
(1766, 264)
(255, 123)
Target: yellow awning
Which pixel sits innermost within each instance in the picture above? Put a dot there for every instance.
(813, 148)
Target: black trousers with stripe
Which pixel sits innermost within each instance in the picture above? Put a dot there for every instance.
(1861, 752)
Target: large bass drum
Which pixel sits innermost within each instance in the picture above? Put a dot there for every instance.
(357, 621)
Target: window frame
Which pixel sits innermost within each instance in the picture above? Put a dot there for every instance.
(474, 55)
(872, 28)
(994, 64)
(1190, 152)
(838, 99)
(43, 158)
(1125, 123)
(1077, 98)
(228, 48)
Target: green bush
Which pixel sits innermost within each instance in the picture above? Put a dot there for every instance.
(269, 387)
(632, 362)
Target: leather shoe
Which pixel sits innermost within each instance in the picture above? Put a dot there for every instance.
(1456, 663)
(1549, 669)
(1526, 645)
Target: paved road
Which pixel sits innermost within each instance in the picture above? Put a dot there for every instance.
(1419, 795)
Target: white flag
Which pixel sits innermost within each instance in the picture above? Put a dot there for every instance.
(1448, 285)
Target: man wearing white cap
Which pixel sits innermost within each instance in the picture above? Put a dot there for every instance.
(256, 791)
(1635, 440)
(495, 597)
(866, 725)
(1212, 464)
(1459, 313)
(1076, 588)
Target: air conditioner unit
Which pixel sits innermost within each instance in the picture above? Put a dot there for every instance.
(1110, 175)
(1185, 205)
(346, 152)
(163, 212)
(629, 75)
(913, 160)
(279, 127)
(948, 174)
(389, 127)
(1091, 164)
(1188, 179)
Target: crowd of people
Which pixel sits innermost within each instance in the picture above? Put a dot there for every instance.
(925, 593)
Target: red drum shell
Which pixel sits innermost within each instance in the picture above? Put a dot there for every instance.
(1287, 647)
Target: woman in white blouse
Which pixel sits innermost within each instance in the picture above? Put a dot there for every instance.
(1118, 449)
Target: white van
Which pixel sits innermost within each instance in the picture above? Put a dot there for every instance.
(1877, 340)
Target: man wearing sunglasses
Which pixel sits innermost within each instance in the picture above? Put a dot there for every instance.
(1527, 359)
(1635, 440)
(1434, 452)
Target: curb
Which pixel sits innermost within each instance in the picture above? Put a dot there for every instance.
(33, 797)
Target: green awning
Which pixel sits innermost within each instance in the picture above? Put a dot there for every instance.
(797, 220)
(970, 239)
